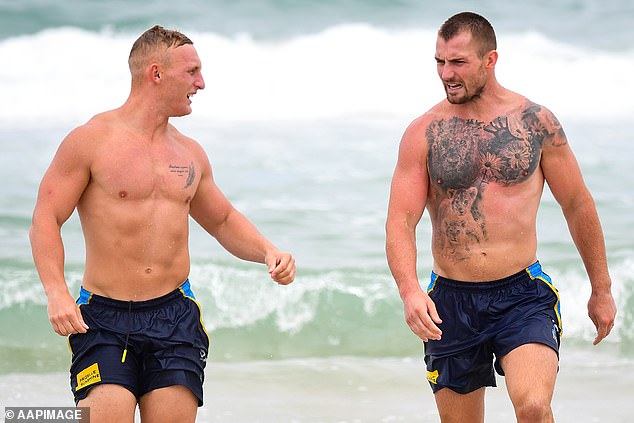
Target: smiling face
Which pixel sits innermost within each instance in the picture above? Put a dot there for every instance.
(461, 68)
(181, 78)
(166, 71)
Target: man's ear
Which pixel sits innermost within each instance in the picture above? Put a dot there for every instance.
(490, 59)
(155, 73)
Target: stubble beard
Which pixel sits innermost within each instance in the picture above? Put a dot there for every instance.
(466, 97)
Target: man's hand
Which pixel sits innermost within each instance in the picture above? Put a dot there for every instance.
(64, 314)
(421, 316)
(281, 267)
(602, 311)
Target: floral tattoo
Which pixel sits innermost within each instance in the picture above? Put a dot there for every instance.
(466, 154)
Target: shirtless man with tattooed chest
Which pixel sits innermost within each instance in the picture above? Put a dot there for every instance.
(477, 162)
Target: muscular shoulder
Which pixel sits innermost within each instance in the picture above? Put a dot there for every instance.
(414, 137)
(81, 143)
(92, 132)
(542, 123)
(192, 146)
(187, 142)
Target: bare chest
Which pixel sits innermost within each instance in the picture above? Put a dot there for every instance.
(480, 174)
(469, 153)
(138, 172)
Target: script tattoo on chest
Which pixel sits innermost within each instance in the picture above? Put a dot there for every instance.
(465, 155)
(188, 171)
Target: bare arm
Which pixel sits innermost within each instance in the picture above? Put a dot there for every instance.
(211, 209)
(408, 197)
(60, 190)
(564, 178)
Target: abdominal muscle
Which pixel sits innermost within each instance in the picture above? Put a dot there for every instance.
(135, 251)
(501, 242)
(488, 262)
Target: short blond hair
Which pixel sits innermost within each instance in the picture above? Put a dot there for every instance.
(152, 45)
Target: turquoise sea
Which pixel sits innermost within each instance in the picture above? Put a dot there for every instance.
(301, 117)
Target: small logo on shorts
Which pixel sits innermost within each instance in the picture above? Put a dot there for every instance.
(88, 376)
(203, 356)
(432, 376)
(555, 332)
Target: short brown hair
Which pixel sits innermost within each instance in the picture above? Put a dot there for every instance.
(152, 43)
(480, 29)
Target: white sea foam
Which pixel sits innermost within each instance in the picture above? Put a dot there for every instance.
(238, 297)
(65, 75)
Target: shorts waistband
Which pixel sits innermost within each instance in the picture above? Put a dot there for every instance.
(184, 290)
(529, 273)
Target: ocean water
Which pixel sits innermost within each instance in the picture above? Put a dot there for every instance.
(303, 110)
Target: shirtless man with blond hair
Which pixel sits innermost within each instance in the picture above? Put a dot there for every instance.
(478, 161)
(136, 331)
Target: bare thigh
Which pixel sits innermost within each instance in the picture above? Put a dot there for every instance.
(171, 404)
(460, 408)
(110, 403)
(530, 372)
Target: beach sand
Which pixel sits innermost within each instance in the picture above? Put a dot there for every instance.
(348, 390)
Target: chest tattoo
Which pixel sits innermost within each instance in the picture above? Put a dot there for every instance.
(464, 156)
(189, 172)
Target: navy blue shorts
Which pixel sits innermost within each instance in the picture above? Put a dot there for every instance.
(140, 345)
(486, 319)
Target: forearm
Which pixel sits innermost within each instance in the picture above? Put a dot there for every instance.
(420, 311)
(585, 229)
(401, 254)
(587, 234)
(242, 239)
(48, 255)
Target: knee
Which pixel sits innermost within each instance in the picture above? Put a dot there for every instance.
(534, 411)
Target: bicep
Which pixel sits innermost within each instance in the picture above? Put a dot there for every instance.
(209, 207)
(63, 183)
(410, 183)
(407, 196)
(562, 172)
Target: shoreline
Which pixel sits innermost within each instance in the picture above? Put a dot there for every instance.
(347, 389)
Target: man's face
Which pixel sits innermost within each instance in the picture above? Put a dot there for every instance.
(460, 68)
(183, 78)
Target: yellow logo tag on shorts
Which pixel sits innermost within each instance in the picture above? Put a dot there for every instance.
(432, 376)
(88, 376)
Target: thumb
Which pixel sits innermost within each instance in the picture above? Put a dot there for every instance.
(81, 319)
(433, 313)
(272, 263)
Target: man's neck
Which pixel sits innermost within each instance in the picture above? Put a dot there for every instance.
(143, 117)
(491, 102)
